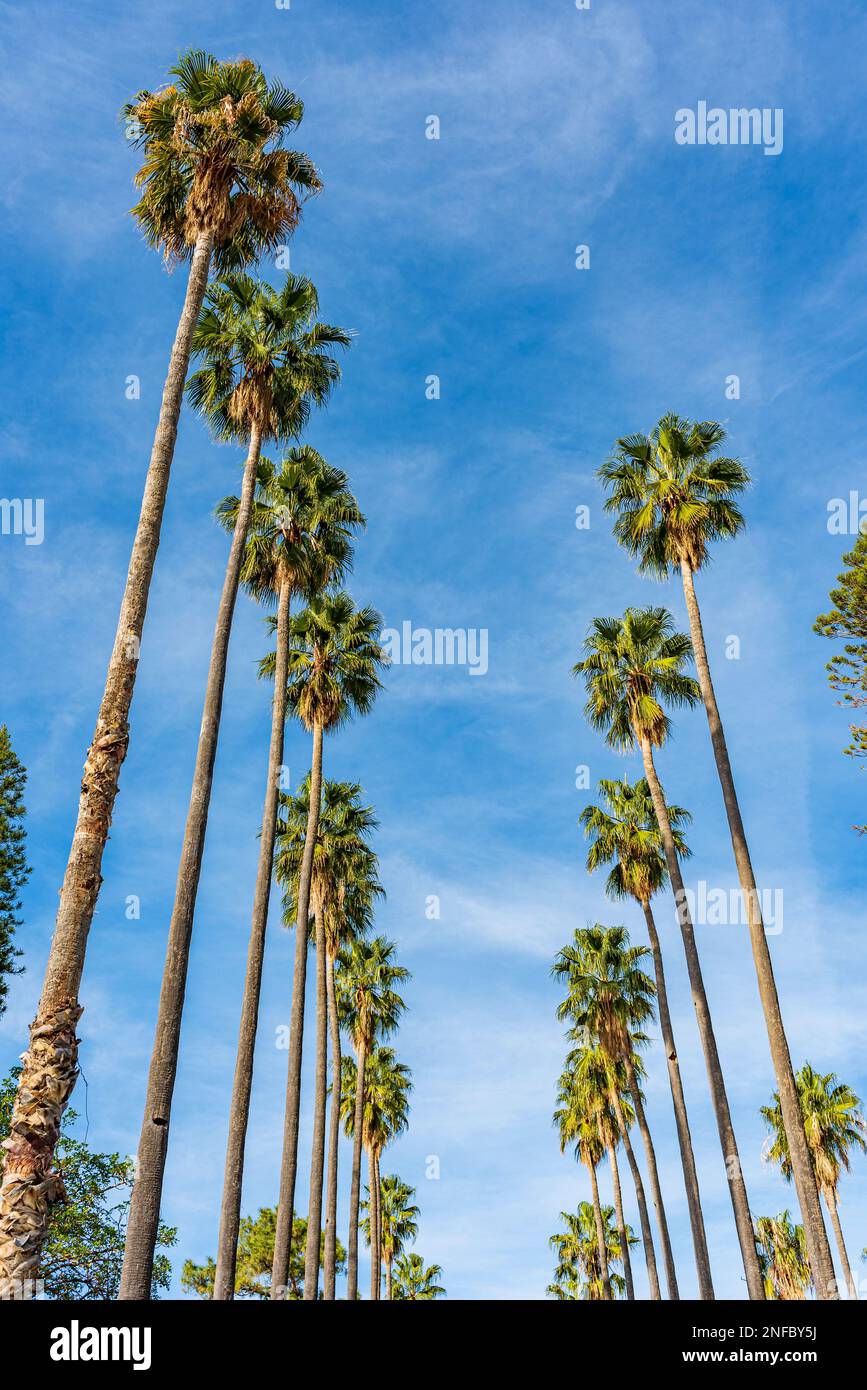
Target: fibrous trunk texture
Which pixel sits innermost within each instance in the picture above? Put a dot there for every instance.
(31, 1186)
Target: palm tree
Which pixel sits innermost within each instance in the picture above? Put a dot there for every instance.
(633, 666)
(334, 657)
(783, 1259)
(567, 1287)
(346, 921)
(265, 361)
(833, 1125)
(580, 1272)
(371, 1008)
(578, 1128)
(610, 996)
(386, 1114)
(625, 830)
(674, 494)
(592, 1076)
(398, 1222)
(216, 184)
(299, 541)
(342, 863)
(414, 1281)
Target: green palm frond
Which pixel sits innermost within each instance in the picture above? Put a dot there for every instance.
(673, 493)
(214, 161)
(633, 668)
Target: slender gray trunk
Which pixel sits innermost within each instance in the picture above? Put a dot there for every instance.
(833, 1208)
(378, 1228)
(600, 1234)
(653, 1174)
(818, 1246)
(731, 1158)
(317, 1155)
(289, 1160)
(378, 1181)
(355, 1186)
(621, 1224)
(643, 1218)
(330, 1276)
(31, 1185)
(239, 1113)
(388, 1281)
(687, 1158)
(144, 1211)
(372, 1213)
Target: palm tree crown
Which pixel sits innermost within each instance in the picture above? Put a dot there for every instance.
(265, 356)
(634, 666)
(415, 1282)
(398, 1216)
(625, 829)
(782, 1250)
(609, 995)
(579, 1269)
(387, 1084)
(584, 1091)
(334, 659)
(833, 1124)
(214, 162)
(344, 884)
(674, 493)
(367, 974)
(301, 526)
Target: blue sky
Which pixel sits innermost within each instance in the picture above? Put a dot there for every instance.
(456, 258)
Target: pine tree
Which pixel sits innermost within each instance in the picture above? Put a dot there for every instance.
(13, 860)
(847, 672)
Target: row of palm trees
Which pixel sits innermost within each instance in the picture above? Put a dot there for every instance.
(609, 999)
(672, 493)
(219, 189)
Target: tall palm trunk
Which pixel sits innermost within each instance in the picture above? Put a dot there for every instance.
(687, 1158)
(378, 1229)
(600, 1234)
(239, 1113)
(50, 1066)
(317, 1155)
(330, 1272)
(818, 1247)
(355, 1185)
(831, 1202)
(621, 1224)
(373, 1212)
(289, 1160)
(653, 1173)
(388, 1283)
(731, 1158)
(643, 1218)
(144, 1211)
